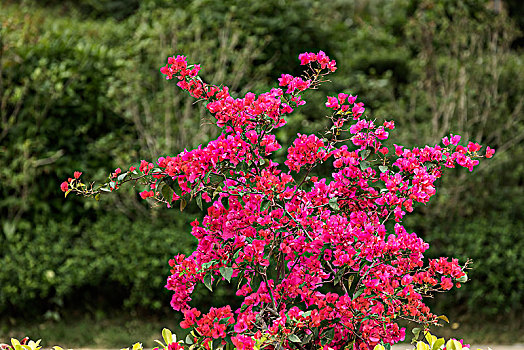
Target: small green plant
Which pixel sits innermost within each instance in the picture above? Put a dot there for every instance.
(24, 344)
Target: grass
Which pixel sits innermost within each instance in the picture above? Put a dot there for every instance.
(483, 331)
(90, 331)
(116, 332)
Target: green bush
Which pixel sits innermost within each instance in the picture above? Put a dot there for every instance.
(116, 261)
(80, 89)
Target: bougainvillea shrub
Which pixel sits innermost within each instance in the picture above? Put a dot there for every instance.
(318, 262)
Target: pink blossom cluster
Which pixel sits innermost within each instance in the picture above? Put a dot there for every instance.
(321, 58)
(284, 236)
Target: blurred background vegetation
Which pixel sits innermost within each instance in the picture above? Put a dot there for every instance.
(80, 89)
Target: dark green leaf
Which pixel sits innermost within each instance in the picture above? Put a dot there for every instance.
(216, 343)
(199, 201)
(357, 293)
(338, 275)
(264, 205)
(328, 336)
(307, 338)
(167, 192)
(208, 281)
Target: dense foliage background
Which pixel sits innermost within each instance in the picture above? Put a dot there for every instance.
(80, 89)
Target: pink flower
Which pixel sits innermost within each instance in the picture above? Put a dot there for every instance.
(77, 174)
(473, 147)
(446, 283)
(406, 280)
(358, 109)
(64, 186)
(489, 152)
(147, 194)
(332, 103)
(455, 139)
(175, 346)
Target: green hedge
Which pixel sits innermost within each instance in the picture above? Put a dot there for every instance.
(82, 91)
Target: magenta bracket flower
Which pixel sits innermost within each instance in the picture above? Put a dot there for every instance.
(315, 260)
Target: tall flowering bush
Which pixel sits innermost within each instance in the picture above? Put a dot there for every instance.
(319, 262)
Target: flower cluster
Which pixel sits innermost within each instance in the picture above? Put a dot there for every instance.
(315, 259)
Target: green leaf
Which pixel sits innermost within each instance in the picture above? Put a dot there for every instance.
(357, 293)
(338, 275)
(97, 196)
(383, 168)
(206, 178)
(208, 281)
(226, 272)
(183, 204)
(438, 344)
(168, 180)
(462, 279)
(167, 335)
(65, 195)
(365, 153)
(350, 281)
(225, 203)
(189, 339)
(430, 338)
(112, 184)
(294, 338)
(333, 203)
(307, 338)
(216, 343)
(416, 332)
(453, 344)
(264, 205)
(105, 189)
(199, 201)
(137, 346)
(364, 165)
(207, 265)
(167, 192)
(328, 336)
(121, 176)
